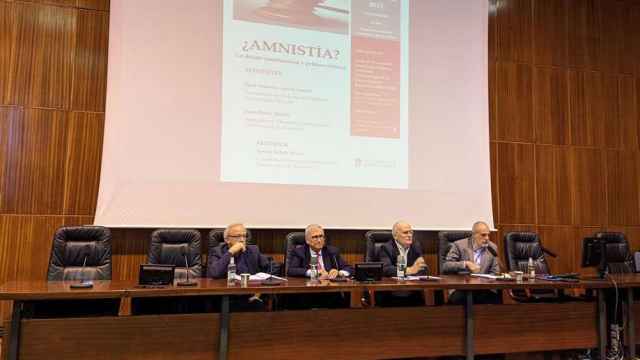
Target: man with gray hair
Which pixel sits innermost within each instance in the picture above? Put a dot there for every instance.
(330, 263)
(474, 255)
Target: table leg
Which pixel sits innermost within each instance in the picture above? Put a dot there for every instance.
(631, 325)
(14, 336)
(223, 346)
(602, 324)
(468, 320)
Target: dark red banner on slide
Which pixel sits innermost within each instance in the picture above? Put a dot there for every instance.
(375, 69)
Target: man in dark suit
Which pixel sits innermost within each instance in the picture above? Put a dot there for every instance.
(330, 263)
(247, 258)
(330, 266)
(472, 255)
(402, 242)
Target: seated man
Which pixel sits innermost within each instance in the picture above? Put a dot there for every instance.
(330, 266)
(402, 242)
(472, 255)
(247, 258)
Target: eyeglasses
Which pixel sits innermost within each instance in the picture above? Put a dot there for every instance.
(237, 236)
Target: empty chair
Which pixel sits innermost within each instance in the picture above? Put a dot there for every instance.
(618, 254)
(75, 246)
(171, 246)
(293, 239)
(375, 239)
(519, 247)
(79, 253)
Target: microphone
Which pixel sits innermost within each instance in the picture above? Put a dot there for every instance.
(548, 252)
(187, 282)
(495, 254)
(83, 284)
(340, 277)
(492, 251)
(271, 281)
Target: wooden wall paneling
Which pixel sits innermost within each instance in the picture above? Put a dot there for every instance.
(553, 184)
(584, 29)
(129, 250)
(589, 186)
(589, 108)
(628, 112)
(492, 47)
(94, 4)
(90, 70)
(7, 35)
(514, 24)
(632, 234)
(611, 37)
(36, 160)
(550, 25)
(41, 73)
(622, 187)
(517, 183)
(614, 128)
(495, 185)
(560, 240)
(551, 106)
(83, 157)
(492, 73)
(630, 41)
(8, 115)
(514, 102)
(67, 3)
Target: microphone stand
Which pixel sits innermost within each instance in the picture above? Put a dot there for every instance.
(186, 282)
(83, 284)
(271, 281)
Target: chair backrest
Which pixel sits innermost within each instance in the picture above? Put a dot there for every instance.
(619, 259)
(445, 239)
(374, 240)
(72, 245)
(519, 246)
(293, 239)
(170, 246)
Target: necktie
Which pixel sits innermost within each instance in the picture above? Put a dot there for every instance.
(320, 265)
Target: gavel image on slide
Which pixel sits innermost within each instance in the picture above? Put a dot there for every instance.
(292, 11)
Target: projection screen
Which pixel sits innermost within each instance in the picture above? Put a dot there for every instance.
(280, 113)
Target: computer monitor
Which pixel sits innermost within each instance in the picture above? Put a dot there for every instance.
(594, 254)
(369, 271)
(156, 275)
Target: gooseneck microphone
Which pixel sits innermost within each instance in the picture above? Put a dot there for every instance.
(338, 278)
(83, 284)
(271, 281)
(187, 282)
(495, 254)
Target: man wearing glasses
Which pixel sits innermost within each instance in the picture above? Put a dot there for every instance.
(247, 258)
(329, 263)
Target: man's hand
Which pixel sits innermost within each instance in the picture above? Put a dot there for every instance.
(323, 274)
(473, 267)
(417, 266)
(333, 273)
(237, 248)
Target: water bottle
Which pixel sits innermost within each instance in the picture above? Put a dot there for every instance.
(313, 264)
(231, 272)
(401, 266)
(531, 269)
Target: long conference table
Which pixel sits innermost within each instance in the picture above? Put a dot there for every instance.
(354, 333)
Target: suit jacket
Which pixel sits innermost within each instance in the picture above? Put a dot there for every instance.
(461, 251)
(389, 257)
(250, 261)
(299, 257)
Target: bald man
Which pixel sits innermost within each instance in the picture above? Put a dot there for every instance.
(402, 242)
(472, 255)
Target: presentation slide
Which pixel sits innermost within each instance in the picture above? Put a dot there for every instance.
(282, 113)
(315, 95)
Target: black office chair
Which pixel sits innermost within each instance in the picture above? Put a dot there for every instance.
(618, 255)
(374, 240)
(171, 246)
(293, 239)
(73, 247)
(76, 246)
(445, 239)
(518, 248)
